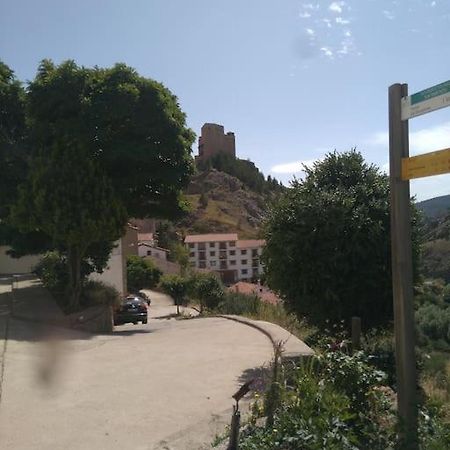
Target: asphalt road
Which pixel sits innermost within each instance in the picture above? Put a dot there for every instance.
(164, 385)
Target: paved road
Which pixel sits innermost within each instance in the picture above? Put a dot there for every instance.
(164, 385)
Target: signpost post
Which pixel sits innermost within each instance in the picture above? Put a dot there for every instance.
(403, 168)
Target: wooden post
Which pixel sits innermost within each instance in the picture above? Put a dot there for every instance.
(234, 431)
(356, 333)
(402, 279)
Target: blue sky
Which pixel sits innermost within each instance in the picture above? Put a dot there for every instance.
(292, 79)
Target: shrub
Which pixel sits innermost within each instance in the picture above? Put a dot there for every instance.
(207, 289)
(333, 401)
(141, 273)
(177, 287)
(52, 270)
(434, 323)
(239, 304)
(98, 293)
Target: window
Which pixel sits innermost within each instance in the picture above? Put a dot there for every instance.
(244, 262)
(212, 253)
(202, 264)
(223, 264)
(192, 255)
(212, 263)
(201, 246)
(222, 245)
(191, 245)
(149, 253)
(244, 271)
(212, 244)
(232, 244)
(223, 254)
(243, 252)
(202, 255)
(255, 252)
(232, 262)
(232, 252)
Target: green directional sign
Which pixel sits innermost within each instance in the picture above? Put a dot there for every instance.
(426, 94)
(425, 101)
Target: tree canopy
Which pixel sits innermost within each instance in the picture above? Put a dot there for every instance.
(328, 242)
(89, 148)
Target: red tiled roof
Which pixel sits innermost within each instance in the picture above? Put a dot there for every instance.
(220, 237)
(250, 243)
(265, 294)
(145, 236)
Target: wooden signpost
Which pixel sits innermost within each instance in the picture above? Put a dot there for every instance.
(403, 168)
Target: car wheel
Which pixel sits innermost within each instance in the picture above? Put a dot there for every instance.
(134, 323)
(144, 322)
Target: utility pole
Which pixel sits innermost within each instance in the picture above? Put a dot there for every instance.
(402, 271)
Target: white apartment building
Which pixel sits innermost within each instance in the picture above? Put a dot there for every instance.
(232, 258)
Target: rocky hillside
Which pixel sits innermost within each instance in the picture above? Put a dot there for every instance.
(222, 203)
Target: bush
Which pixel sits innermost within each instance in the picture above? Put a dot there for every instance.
(175, 286)
(52, 270)
(207, 288)
(141, 273)
(239, 304)
(433, 323)
(334, 401)
(98, 293)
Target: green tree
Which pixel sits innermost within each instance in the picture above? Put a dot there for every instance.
(131, 124)
(177, 287)
(141, 273)
(180, 254)
(208, 289)
(166, 235)
(129, 128)
(328, 242)
(68, 197)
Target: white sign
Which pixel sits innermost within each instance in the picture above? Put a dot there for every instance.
(423, 102)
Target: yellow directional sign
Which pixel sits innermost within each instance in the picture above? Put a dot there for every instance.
(434, 163)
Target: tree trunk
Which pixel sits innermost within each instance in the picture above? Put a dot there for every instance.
(74, 267)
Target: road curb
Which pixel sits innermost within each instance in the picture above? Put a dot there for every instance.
(252, 324)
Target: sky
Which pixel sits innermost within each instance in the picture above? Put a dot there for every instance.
(293, 80)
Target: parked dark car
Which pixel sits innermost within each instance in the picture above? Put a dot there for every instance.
(133, 309)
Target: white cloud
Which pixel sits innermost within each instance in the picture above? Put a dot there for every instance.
(433, 4)
(342, 21)
(388, 14)
(336, 7)
(293, 167)
(304, 15)
(310, 31)
(327, 52)
(327, 22)
(421, 141)
(347, 33)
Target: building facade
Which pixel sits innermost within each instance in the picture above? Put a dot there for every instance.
(213, 140)
(231, 258)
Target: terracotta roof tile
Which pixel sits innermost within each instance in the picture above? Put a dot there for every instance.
(250, 243)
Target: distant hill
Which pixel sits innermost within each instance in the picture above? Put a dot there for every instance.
(222, 203)
(435, 207)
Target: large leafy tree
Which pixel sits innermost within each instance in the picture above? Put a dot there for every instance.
(112, 133)
(69, 198)
(328, 242)
(132, 124)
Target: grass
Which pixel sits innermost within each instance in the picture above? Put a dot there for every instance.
(435, 381)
